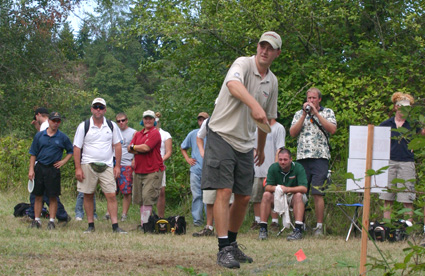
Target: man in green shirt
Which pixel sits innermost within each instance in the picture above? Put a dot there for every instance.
(291, 178)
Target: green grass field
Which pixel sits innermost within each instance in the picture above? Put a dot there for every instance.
(68, 251)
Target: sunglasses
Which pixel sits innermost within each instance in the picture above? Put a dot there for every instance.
(56, 121)
(101, 107)
(122, 121)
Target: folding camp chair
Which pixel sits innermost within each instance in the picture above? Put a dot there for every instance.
(352, 218)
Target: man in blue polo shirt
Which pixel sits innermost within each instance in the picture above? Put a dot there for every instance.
(291, 178)
(47, 149)
(41, 122)
(195, 162)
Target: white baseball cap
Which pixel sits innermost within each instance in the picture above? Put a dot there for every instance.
(403, 103)
(99, 100)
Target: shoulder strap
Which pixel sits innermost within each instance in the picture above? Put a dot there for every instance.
(111, 126)
(87, 126)
(312, 120)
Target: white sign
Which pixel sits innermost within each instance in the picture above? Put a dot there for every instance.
(381, 142)
(358, 168)
(357, 158)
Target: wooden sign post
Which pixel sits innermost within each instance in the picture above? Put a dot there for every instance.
(366, 200)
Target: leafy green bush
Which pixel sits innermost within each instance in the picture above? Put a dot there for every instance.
(14, 162)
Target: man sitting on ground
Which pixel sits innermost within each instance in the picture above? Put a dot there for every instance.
(292, 179)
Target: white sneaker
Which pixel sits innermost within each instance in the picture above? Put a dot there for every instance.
(318, 231)
(78, 219)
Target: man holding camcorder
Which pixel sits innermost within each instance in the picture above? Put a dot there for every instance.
(313, 124)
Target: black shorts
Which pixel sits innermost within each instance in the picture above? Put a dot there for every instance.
(317, 172)
(224, 167)
(47, 179)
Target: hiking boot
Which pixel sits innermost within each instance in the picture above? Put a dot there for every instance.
(263, 234)
(296, 235)
(274, 227)
(119, 230)
(225, 258)
(35, 224)
(89, 230)
(51, 225)
(255, 226)
(123, 217)
(318, 231)
(107, 217)
(206, 232)
(239, 255)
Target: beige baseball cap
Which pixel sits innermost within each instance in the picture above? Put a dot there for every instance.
(149, 113)
(272, 38)
(204, 115)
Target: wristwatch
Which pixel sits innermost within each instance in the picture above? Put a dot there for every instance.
(132, 147)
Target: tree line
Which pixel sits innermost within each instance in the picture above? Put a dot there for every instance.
(172, 56)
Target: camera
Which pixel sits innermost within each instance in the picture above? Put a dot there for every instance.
(307, 109)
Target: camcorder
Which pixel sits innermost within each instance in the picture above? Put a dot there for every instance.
(307, 109)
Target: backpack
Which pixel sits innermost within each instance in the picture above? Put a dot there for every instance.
(178, 223)
(21, 209)
(87, 126)
(157, 225)
(398, 231)
(379, 231)
(149, 227)
(162, 226)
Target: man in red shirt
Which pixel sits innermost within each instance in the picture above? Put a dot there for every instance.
(148, 165)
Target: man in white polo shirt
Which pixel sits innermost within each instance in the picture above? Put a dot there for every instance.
(94, 148)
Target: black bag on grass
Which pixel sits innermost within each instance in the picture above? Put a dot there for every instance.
(21, 209)
(178, 223)
(162, 226)
(149, 227)
(379, 231)
(159, 225)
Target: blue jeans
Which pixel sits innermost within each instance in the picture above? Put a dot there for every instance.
(61, 214)
(79, 206)
(197, 204)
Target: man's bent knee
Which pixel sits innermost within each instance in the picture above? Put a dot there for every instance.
(298, 196)
(268, 197)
